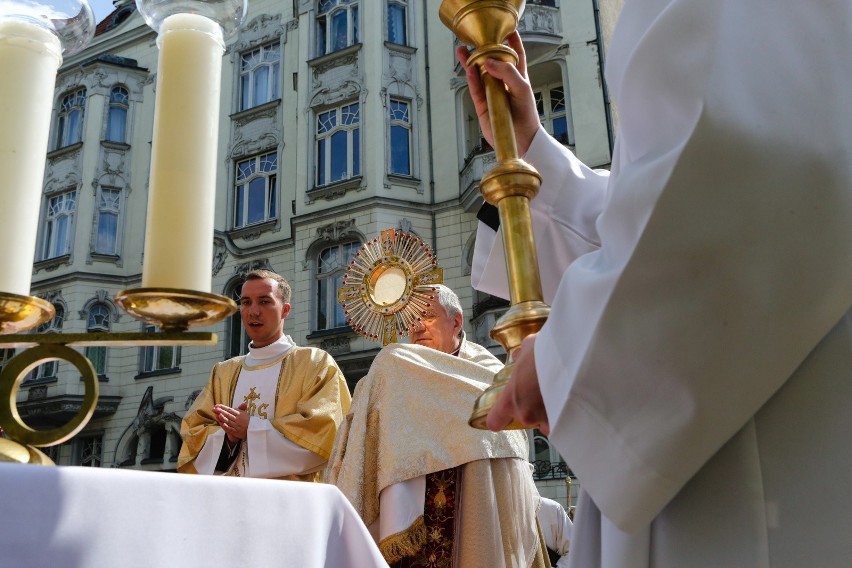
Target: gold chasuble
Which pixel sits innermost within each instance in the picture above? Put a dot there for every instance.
(408, 421)
(309, 404)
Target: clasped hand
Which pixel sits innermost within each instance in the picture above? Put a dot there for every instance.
(234, 421)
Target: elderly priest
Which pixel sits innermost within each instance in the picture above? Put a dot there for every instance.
(433, 490)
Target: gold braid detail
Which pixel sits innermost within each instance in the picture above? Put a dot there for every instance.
(404, 543)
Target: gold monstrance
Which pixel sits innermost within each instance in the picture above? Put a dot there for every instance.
(388, 286)
(509, 186)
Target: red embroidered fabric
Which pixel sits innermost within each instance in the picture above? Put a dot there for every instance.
(439, 518)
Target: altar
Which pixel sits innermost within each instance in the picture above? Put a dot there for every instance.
(80, 517)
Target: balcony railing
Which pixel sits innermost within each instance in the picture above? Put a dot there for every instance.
(543, 469)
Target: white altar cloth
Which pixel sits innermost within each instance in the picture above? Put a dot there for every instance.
(80, 517)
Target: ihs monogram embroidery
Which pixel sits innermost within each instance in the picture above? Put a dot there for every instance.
(253, 409)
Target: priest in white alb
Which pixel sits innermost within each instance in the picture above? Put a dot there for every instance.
(695, 368)
(272, 413)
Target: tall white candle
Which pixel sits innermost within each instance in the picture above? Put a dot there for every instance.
(179, 233)
(29, 58)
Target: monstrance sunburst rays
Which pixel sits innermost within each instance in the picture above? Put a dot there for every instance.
(388, 286)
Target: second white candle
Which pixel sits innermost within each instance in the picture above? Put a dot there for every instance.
(181, 202)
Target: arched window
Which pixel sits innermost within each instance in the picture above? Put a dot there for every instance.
(54, 324)
(331, 265)
(337, 25)
(119, 102)
(98, 321)
(69, 119)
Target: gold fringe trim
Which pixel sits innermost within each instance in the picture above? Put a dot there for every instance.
(405, 543)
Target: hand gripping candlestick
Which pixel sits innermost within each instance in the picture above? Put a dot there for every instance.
(509, 186)
(176, 276)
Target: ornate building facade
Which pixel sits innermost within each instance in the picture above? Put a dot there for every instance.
(339, 118)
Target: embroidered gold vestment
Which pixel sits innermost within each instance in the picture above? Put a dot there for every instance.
(409, 419)
(311, 399)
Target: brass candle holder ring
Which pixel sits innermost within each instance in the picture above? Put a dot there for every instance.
(23, 441)
(21, 313)
(28, 439)
(174, 309)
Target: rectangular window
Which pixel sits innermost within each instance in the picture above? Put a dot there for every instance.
(260, 76)
(59, 225)
(119, 102)
(337, 25)
(98, 356)
(400, 138)
(256, 190)
(396, 22)
(338, 144)
(159, 357)
(109, 211)
(89, 450)
(98, 322)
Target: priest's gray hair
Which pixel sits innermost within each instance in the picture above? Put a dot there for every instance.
(448, 300)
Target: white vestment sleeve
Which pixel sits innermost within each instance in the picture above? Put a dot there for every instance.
(399, 506)
(555, 528)
(270, 454)
(205, 463)
(725, 252)
(563, 218)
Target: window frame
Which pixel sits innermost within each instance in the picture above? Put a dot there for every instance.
(49, 371)
(104, 208)
(49, 243)
(72, 103)
(155, 355)
(80, 450)
(98, 353)
(395, 124)
(325, 297)
(548, 114)
(236, 333)
(400, 7)
(345, 121)
(242, 188)
(247, 77)
(117, 106)
(326, 12)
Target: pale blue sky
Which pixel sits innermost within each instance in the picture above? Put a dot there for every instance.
(101, 8)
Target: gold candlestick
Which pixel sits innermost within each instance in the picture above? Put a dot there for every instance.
(509, 186)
